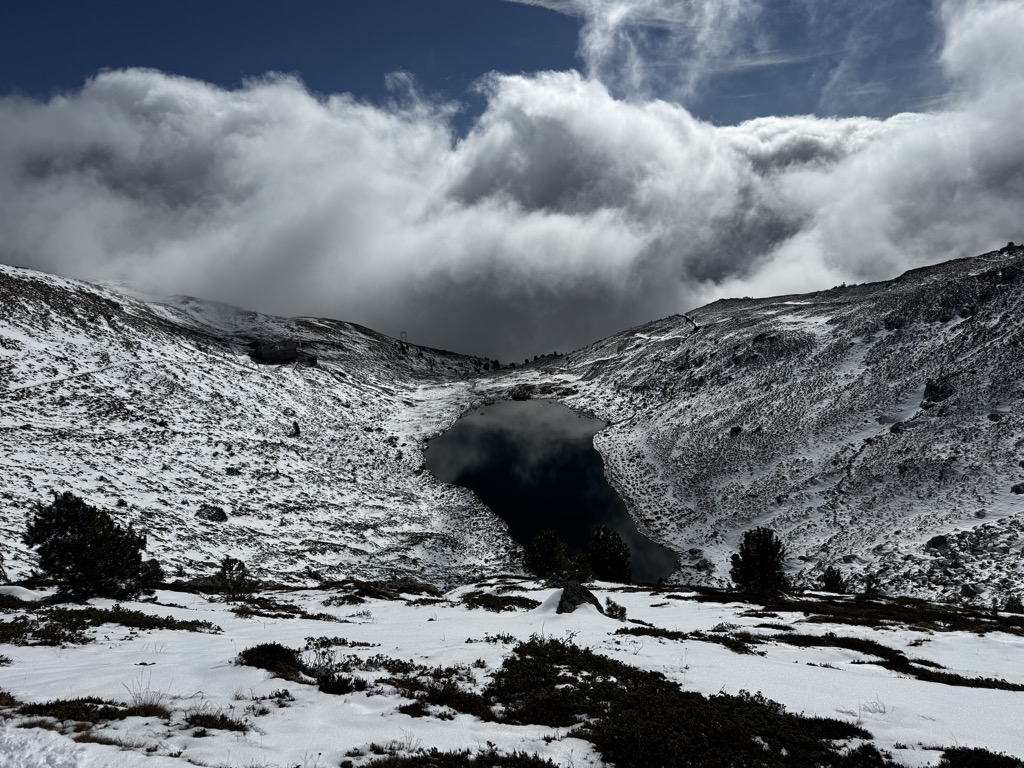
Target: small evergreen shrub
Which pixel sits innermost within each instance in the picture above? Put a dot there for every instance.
(88, 553)
(832, 581)
(1014, 604)
(233, 579)
(758, 568)
(613, 610)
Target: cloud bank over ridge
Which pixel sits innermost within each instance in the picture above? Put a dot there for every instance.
(565, 214)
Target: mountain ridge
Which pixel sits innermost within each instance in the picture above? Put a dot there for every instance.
(876, 427)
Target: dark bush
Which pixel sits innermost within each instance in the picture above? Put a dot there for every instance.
(964, 757)
(608, 555)
(638, 719)
(88, 553)
(338, 684)
(86, 710)
(498, 603)
(547, 555)
(758, 567)
(277, 659)
(233, 579)
(832, 581)
(465, 759)
(613, 610)
(205, 719)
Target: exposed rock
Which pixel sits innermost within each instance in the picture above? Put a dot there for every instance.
(276, 353)
(521, 392)
(937, 390)
(211, 513)
(574, 595)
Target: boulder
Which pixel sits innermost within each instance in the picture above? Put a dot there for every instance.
(212, 514)
(574, 595)
(937, 390)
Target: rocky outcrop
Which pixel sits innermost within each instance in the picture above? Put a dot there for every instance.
(574, 595)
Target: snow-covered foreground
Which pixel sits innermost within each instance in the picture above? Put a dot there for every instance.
(295, 724)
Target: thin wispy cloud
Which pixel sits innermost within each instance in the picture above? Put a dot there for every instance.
(775, 58)
(566, 213)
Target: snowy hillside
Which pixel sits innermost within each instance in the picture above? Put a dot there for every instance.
(155, 411)
(861, 423)
(876, 427)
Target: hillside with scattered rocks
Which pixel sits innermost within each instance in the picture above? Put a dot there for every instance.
(877, 428)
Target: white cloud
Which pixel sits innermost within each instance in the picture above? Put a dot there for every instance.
(564, 215)
(628, 44)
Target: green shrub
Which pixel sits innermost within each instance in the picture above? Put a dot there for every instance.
(758, 567)
(87, 552)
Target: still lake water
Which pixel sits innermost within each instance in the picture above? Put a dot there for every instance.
(534, 464)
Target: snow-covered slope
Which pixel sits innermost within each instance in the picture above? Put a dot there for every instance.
(154, 410)
(862, 423)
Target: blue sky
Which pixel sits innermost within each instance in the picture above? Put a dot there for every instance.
(506, 178)
(339, 46)
(886, 49)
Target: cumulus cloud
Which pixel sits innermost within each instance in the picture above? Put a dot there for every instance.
(565, 214)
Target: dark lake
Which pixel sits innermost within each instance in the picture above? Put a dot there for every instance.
(533, 462)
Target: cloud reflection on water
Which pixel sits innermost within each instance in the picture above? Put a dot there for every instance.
(534, 464)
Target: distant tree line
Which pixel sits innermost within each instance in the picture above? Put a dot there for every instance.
(605, 557)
